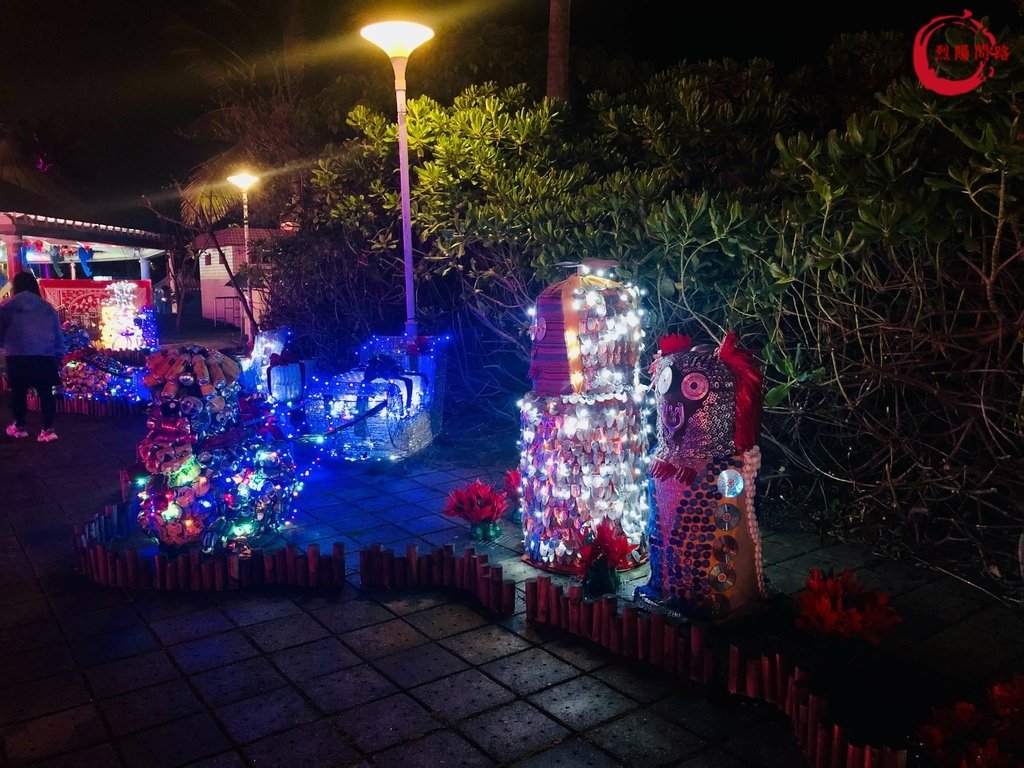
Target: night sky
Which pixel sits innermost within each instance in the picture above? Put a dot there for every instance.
(101, 82)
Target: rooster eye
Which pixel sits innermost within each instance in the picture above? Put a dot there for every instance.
(694, 386)
(665, 381)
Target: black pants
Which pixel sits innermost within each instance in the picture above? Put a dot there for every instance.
(37, 372)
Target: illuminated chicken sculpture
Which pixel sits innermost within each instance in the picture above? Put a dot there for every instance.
(705, 547)
(582, 432)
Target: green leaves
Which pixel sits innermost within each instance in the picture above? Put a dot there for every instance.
(776, 395)
(869, 248)
(792, 369)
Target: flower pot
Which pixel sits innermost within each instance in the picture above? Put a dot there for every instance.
(485, 531)
(601, 579)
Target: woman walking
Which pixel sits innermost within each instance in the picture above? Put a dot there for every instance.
(33, 345)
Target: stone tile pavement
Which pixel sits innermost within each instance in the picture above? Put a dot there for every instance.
(93, 676)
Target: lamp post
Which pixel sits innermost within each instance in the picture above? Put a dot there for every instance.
(243, 181)
(398, 39)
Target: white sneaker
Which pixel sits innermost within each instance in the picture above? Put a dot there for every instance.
(46, 436)
(13, 430)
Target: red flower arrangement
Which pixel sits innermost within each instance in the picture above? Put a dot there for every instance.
(513, 479)
(964, 735)
(837, 605)
(480, 505)
(601, 556)
(607, 543)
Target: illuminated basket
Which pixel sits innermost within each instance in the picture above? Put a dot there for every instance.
(390, 416)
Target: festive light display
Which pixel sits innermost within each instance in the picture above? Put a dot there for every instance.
(704, 539)
(583, 439)
(220, 471)
(75, 336)
(286, 378)
(121, 325)
(88, 374)
(267, 345)
(390, 407)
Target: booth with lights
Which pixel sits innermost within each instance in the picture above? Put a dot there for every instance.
(108, 323)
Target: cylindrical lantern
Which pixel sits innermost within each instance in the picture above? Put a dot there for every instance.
(583, 441)
(704, 538)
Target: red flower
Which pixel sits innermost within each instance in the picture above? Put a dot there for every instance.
(838, 605)
(513, 478)
(607, 542)
(1007, 698)
(966, 736)
(989, 755)
(476, 503)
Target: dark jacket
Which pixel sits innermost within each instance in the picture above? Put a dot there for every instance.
(30, 326)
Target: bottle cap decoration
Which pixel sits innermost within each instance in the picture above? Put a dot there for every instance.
(705, 546)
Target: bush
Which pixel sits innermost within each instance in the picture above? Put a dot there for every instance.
(877, 267)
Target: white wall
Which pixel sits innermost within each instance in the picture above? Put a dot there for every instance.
(213, 282)
(213, 278)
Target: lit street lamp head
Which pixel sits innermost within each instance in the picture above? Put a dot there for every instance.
(397, 38)
(243, 180)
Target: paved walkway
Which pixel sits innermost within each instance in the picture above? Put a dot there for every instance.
(93, 676)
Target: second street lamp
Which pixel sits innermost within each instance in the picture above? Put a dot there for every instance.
(398, 39)
(243, 181)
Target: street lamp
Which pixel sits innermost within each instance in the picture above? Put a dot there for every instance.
(243, 181)
(398, 39)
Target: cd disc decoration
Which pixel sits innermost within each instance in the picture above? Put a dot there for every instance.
(705, 546)
(583, 442)
(219, 471)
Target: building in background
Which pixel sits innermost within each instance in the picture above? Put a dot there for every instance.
(220, 301)
(72, 249)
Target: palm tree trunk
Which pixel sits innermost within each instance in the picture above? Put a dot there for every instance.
(558, 50)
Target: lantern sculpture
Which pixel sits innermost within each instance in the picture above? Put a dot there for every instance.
(705, 547)
(583, 441)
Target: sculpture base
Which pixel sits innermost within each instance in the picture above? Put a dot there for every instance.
(636, 560)
(650, 601)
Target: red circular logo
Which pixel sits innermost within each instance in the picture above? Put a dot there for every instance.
(929, 75)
